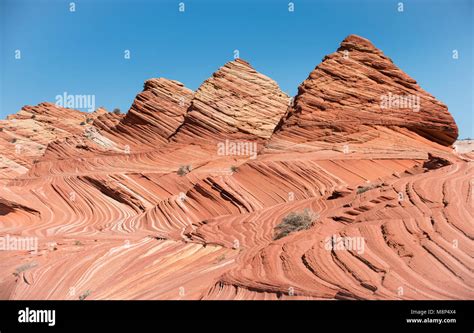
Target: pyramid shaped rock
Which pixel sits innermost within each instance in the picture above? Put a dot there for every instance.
(106, 121)
(358, 86)
(237, 102)
(24, 136)
(155, 114)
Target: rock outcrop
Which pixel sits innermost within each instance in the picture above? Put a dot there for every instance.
(358, 86)
(155, 115)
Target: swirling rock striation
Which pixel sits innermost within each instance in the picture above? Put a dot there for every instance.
(141, 206)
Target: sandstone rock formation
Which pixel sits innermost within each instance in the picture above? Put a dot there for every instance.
(356, 87)
(155, 115)
(24, 136)
(391, 203)
(237, 102)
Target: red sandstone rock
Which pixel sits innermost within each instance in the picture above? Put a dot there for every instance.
(358, 86)
(237, 102)
(125, 224)
(24, 136)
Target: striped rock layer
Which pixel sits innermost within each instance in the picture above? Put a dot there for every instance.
(358, 86)
(237, 102)
(142, 206)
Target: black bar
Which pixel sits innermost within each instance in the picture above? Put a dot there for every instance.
(350, 314)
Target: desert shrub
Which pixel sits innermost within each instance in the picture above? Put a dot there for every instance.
(234, 168)
(117, 111)
(83, 123)
(184, 170)
(84, 295)
(13, 140)
(24, 268)
(295, 221)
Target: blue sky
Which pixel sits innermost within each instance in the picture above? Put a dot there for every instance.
(82, 52)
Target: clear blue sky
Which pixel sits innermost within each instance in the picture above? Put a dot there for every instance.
(82, 52)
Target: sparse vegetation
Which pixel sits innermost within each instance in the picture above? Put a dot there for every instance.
(117, 111)
(33, 116)
(13, 140)
(220, 258)
(363, 189)
(295, 221)
(78, 243)
(84, 295)
(82, 123)
(184, 170)
(89, 120)
(234, 168)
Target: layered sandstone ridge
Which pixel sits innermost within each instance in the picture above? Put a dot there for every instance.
(236, 102)
(141, 205)
(25, 136)
(155, 115)
(358, 86)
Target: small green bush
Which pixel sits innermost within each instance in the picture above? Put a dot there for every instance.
(184, 170)
(363, 189)
(295, 221)
(84, 295)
